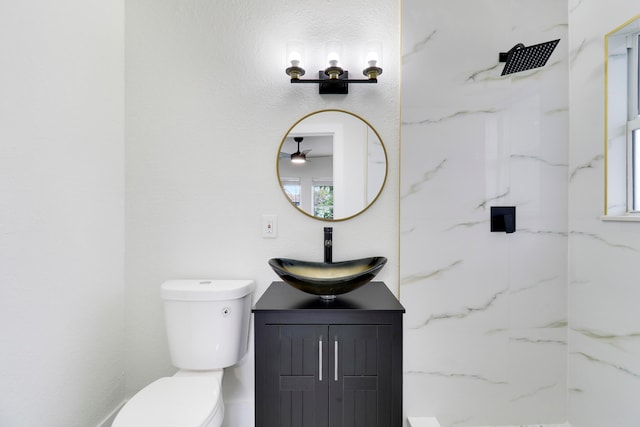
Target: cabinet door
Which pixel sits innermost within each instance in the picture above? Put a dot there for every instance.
(294, 388)
(360, 382)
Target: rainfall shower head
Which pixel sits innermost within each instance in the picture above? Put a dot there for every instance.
(521, 58)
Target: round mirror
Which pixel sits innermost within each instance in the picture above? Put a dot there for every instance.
(332, 165)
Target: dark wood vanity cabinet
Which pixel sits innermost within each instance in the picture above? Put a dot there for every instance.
(328, 363)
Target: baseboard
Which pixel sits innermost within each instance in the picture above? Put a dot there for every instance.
(534, 425)
(112, 416)
(432, 422)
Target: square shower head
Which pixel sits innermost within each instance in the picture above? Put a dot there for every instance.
(521, 58)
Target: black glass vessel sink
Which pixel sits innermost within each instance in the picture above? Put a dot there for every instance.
(327, 279)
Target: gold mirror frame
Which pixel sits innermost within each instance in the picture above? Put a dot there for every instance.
(607, 137)
(279, 157)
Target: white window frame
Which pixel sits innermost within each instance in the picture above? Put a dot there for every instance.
(288, 182)
(633, 126)
(622, 121)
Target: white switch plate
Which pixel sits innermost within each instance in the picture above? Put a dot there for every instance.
(269, 226)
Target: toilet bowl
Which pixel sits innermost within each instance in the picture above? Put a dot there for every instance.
(189, 401)
(207, 329)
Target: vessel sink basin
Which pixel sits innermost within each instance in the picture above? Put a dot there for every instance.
(327, 279)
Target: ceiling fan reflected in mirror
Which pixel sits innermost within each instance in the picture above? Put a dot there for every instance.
(299, 157)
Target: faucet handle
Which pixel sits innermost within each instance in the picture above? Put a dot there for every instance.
(328, 244)
(328, 236)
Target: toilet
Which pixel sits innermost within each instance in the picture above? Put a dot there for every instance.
(207, 330)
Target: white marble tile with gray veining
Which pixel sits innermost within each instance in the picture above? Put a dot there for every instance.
(486, 323)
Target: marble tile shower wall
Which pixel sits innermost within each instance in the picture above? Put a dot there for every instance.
(604, 320)
(486, 326)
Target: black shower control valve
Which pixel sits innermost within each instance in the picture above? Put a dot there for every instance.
(503, 218)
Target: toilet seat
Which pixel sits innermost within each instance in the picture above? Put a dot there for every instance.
(178, 401)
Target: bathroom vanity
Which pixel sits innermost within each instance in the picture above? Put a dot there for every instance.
(334, 363)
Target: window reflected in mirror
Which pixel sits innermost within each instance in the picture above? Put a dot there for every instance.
(292, 187)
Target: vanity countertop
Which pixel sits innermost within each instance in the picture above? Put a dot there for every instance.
(372, 297)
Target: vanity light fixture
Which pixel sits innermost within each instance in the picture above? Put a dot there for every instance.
(334, 79)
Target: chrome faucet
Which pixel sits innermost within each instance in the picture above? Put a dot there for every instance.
(328, 244)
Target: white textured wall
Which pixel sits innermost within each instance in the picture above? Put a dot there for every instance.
(604, 324)
(485, 338)
(61, 212)
(207, 105)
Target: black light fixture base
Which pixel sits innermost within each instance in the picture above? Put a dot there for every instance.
(329, 86)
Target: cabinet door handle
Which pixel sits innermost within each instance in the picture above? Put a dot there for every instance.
(320, 359)
(335, 359)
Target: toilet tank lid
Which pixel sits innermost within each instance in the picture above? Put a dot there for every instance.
(206, 289)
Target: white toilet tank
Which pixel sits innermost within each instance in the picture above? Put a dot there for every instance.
(207, 321)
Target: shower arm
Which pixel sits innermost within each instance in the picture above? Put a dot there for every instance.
(504, 56)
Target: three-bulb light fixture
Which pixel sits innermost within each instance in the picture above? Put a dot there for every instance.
(334, 79)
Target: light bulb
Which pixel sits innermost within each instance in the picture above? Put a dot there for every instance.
(372, 59)
(295, 69)
(295, 58)
(298, 158)
(333, 59)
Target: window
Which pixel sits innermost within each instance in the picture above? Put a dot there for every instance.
(633, 125)
(323, 199)
(622, 149)
(292, 188)
(635, 165)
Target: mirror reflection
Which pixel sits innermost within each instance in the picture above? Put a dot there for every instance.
(332, 165)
